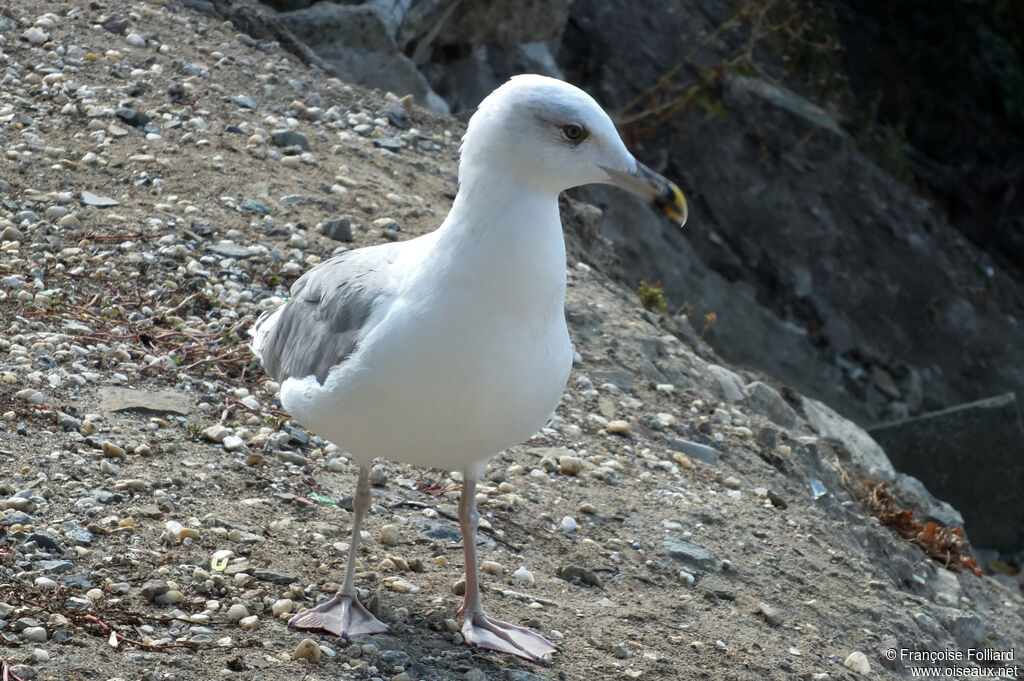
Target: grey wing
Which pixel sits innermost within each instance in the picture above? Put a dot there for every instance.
(325, 319)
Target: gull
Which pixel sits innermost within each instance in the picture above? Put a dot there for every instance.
(446, 349)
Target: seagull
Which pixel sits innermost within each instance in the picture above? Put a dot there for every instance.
(448, 348)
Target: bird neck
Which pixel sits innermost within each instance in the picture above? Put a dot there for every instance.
(505, 231)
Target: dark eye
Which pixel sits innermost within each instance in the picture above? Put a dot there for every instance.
(573, 132)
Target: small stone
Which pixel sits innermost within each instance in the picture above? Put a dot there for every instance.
(618, 427)
(695, 450)
(570, 465)
(689, 553)
(402, 676)
(97, 201)
(154, 588)
(339, 229)
(113, 451)
(250, 622)
(568, 524)
(307, 649)
(289, 138)
(169, 598)
(523, 575)
(135, 40)
(389, 535)
(233, 443)
(770, 613)
(246, 102)
(216, 433)
(282, 606)
(858, 662)
(30, 395)
(492, 568)
(36, 36)
(35, 634)
(378, 475)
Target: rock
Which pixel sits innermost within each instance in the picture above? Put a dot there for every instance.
(47, 542)
(246, 101)
(690, 554)
(620, 378)
(116, 399)
(715, 586)
(770, 613)
(170, 597)
(30, 395)
(729, 384)
(339, 229)
(909, 492)
(97, 201)
(378, 475)
(34, 634)
(568, 524)
(274, 577)
(389, 535)
(695, 450)
(865, 452)
(35, 35)
(153, 588)
(216, 433)
(858, 662)
(579, 575)
(133, 117)
(492, 568)
(307, 649)
(249, 623)
(523, 575)
(290, 138)
(358, 42)
(252, 206)
(237, 611)
(113, 451)
(984, 437)
(767, 401)
(570, 465)
(283, 606)
(233, 443)
(618, 427)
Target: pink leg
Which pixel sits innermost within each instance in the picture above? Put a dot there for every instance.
(478, 629)
(344, 615)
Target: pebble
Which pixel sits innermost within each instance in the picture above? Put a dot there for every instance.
(523, 575)
(492, 568)
(35, 35)
(858, 662)
(568, 524)
(307, 649)
(250, 622)
(282, 606)
(113, 451)
(233, 443)
(570, 465)
(339, 229)
(618, 427)
(389, 535)
(35, 634)
(237, 611)
(216, 433)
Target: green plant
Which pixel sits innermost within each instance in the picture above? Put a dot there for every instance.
(652, 296)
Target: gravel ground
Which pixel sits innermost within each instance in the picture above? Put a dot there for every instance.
(163, 180)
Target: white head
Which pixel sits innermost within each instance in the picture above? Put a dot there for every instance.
(554, 136)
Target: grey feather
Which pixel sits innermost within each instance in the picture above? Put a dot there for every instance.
(324, 321)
